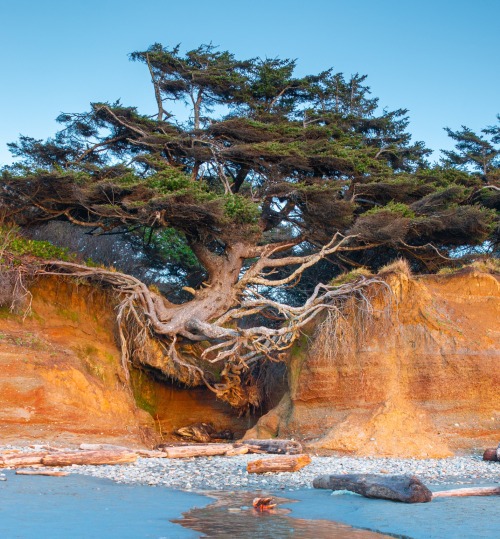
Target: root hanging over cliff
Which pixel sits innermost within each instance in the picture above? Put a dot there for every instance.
(204, 341)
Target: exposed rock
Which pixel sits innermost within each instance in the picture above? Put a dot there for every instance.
(491, 454)
(419, 380)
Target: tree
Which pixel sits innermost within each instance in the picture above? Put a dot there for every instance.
(271, 175)
(479, 152)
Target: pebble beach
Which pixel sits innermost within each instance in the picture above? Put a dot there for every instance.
(229, 473)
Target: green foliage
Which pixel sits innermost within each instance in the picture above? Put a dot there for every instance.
(398, 208)
(264, 151)
(241, 210)
(168, 180)
(173, 247)
(19, 245)
(480, 152)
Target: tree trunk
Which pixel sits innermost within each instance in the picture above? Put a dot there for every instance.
(279, 464)
(240, 178)
(159, 102)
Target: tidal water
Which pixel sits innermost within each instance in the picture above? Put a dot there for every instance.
(231, 515)
(82, 507)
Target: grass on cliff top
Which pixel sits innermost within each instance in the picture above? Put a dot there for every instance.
(11, 241)
(484, 265)
(14, 243)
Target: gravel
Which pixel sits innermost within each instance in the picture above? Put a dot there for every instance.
(229, 473)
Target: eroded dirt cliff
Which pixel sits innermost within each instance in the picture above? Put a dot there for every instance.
(418, 375)
(61, 377)
(414, 372)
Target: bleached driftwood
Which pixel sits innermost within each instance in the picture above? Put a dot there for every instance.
(283, 463)
(281, 447)
(89, 458)
(197, 450)
(50, 473)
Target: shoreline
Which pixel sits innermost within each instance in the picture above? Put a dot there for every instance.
(229, 473)
(208, 493)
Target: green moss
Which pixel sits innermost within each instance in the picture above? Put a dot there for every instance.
(144, 392)
(68, 314)
(144, 404)
(350, 277)
(298, 355)
(92, 362)
(5, 312)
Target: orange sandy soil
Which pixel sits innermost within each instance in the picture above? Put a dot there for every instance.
(61, 379)
(422, 380)
(60, 373)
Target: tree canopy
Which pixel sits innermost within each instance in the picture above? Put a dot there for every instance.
(266, 175)
(479, 152)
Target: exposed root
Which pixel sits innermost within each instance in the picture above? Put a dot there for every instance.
(159, 335)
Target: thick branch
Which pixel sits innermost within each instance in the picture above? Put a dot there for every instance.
(255, 274)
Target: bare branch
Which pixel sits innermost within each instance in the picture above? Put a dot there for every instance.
(255, 274)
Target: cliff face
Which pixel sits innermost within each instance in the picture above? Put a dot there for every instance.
(61, 377)
(417, 376)
(60, 371)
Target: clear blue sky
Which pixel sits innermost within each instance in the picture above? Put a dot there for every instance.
(438, 58)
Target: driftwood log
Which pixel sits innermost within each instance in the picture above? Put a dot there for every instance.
(491, 454)
(104, 447)
(470, 491)
(197, 450)
(400, 488)
(89, 458)
(95, 454)
(280, 447)
(239, 448)
(42, 472)
(283, 463)
(243, 450)
(21, 459)
(146, 453)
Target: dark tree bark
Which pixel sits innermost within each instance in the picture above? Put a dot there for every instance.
(399, 488)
